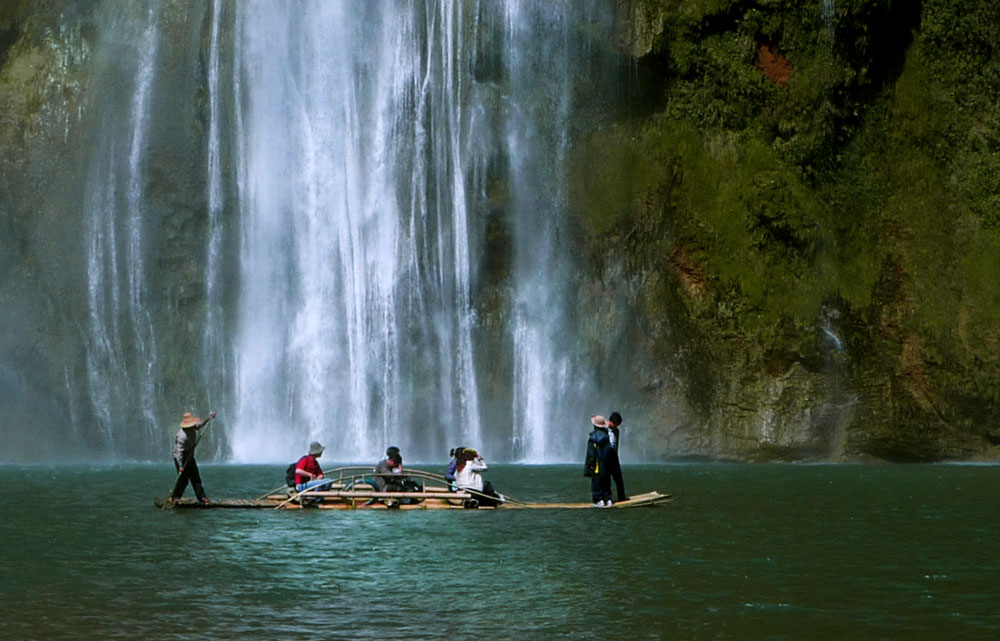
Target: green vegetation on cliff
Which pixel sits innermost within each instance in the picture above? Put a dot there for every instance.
(813, 178)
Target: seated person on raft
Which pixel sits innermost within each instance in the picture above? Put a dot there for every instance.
(308, 473)
(389, 478)
(389, 472)
(452, 466)
(468, 477)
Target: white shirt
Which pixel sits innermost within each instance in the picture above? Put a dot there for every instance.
(469, 476)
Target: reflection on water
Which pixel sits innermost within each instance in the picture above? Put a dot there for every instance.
(746, 552)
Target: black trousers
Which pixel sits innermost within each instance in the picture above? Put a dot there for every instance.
(191, 474)
(600, 487)
(489, 491)
(615, 470)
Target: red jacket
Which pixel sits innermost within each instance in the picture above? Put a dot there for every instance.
(309, 464)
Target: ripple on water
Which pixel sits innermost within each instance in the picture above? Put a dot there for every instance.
(746, 552)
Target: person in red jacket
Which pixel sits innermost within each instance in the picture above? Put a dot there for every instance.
(308, 473)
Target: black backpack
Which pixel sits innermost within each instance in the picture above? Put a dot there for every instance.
(290, 474)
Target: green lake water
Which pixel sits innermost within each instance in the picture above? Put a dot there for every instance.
(745, 552)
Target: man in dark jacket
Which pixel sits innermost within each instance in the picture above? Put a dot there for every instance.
(614, 464)
(596, 465)
(389, 477)
(389, 471)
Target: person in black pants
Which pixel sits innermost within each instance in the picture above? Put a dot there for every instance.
(614, 464)
(596, 465)
(187, 467)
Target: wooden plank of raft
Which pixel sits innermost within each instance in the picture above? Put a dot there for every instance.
(218, 503)
(436, 501)
(358, 505)
(368, 494)
(640, 500)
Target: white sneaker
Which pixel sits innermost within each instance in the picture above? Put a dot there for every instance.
(606, 504)
(598, 504)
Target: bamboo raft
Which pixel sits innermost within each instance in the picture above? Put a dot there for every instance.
(350, 491)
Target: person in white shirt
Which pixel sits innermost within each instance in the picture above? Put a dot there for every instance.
(468, 476)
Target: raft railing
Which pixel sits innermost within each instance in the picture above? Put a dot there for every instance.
(349, 476)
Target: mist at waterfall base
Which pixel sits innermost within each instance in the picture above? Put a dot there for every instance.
(327, 220)
(745, 552)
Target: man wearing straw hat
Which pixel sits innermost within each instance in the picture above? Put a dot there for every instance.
(187, 467)
(596, 462)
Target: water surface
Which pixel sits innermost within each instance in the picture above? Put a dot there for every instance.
(745, 552)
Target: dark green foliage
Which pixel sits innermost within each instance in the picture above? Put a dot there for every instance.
(866, 182)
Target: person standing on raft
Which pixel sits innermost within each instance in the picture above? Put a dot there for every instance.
(187, 467)
(614, 463)
(596, 463)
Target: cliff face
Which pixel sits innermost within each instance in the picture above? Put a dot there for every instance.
(803, 199)
(40, 100)
(52, 114)
(788, 217)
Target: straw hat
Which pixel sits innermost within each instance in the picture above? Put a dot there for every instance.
(598, 421)
(190, 420)
(315, 449)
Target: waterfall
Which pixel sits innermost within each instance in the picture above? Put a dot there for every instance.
(542, 372)
(358, 164)
(355, 316)
(213, 339)
(828, 12)
(121, 351)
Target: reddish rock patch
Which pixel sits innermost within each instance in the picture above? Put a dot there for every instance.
(774, 65)
(692, 278)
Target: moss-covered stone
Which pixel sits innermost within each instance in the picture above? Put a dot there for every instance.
(828, 231)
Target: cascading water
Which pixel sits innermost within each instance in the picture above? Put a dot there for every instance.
(121, 353)
(828, 12)
(355, 307)
(367, 145)
(360, 161)
(213, 337)
(537, 151)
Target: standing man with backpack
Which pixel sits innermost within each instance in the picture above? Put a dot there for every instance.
(596, 464)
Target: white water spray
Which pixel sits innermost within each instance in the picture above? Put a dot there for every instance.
(355, 307)
(213, 337)
(122, 355)
(355, 158)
